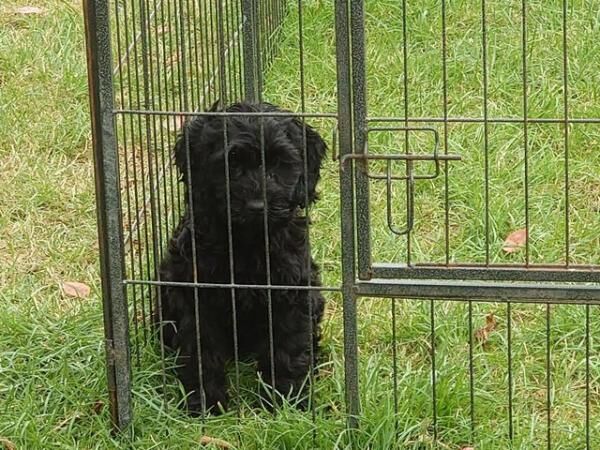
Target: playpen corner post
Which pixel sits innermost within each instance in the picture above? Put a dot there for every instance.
(108, 209)
(344, 86)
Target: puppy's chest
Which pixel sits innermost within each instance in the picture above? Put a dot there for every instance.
(283, 268)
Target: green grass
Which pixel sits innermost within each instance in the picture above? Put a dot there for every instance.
(52, 373)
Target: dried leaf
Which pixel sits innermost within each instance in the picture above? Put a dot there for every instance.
(7, 445)
(27, 10)
(67, 420)
(515, 240)
(220, 443)
(490, 322)
(483, 333)
(75, 289)
(98, 406)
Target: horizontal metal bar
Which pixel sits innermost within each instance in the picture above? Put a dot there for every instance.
(428, 129)
(581, 274)
(224, 114)
(508, 120)
(400, 157)
(482, 290)
(280, 287)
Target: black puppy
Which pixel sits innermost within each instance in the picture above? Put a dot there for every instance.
(203, 234)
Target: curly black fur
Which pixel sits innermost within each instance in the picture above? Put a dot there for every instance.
(296, 313)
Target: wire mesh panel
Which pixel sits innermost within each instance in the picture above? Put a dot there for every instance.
(178, 65)
(469, 122)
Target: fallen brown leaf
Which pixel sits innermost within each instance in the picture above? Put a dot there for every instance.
(98, 406)
(67, 420)
(220, 443)
(7, 445)
(26, 10)
(515, 240)
(483, 333)
(75, 289)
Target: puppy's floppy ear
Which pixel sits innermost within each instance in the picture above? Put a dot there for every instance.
(184, 146)
(188, 139)
(315, 152)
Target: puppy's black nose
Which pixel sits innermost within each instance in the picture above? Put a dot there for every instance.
(255, 205)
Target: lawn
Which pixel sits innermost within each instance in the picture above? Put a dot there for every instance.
(52, 371)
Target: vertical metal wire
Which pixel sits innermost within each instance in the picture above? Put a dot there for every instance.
(395, 367)
(238, 31)
(259, 49)
(587, 377)
(307, 214)
(267, 259)
(222, 55)
(445, 120)
(525, 122)
(197, 48)
(409, 180)
(433, 371)
(548, 381)
(471, 372)
(231, 256)
(214, 47)
(190, 73)
(446, 216)
(230, 51)
(565, 58)
(206, 54)
(170, 62)
(179, 38)
(192, 94)
(510, 368)
(249, 49)
(485, 130)
(190, 205)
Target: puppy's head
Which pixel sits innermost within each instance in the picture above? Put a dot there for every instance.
(270, 164)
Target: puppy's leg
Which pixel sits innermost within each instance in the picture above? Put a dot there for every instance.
(291, 355)
(209, 393)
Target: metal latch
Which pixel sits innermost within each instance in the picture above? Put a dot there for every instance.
(410, 176)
